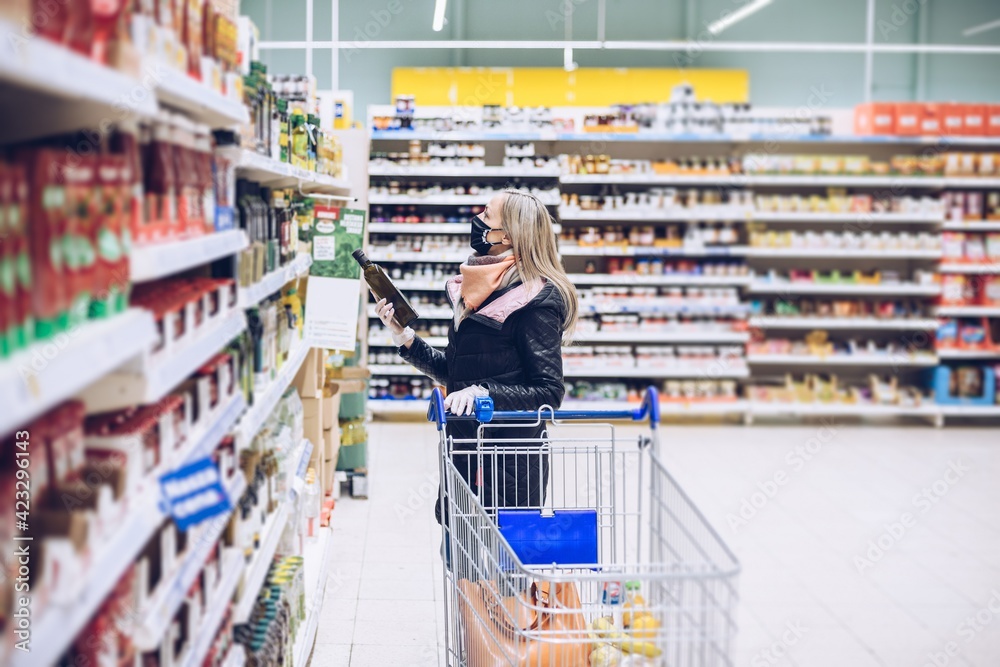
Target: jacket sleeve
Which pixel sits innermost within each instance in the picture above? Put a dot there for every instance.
(538, 339)
(426, 359)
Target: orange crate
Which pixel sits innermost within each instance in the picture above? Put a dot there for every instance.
(975, 119)
(930, 121)
(875, 118)
(952, 117)
(993, 120)
(909, 117)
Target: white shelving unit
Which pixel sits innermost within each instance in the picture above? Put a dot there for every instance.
(705, 213)
(873, 218)
(846, 289)
(443, 200)
(57, 626)
(428, 285)
(418, 228)
(381, 339)
(791, 180)
(969, 268)
(850, 323)
(154, 376)
(179, 91)
(256, 572)
(426, 313)
(268, 397)
(664, 280)
(968, 354)
(151, 262)
(218, 603)
(622, 251)
(432, 171)
(274, 281)
(42, 376)
(277, 174)
(968, 311)
(683, 335)
(716, 370)
(317, 566)
(840, 253)
(842, 360)
(381, 255)
(971, 226)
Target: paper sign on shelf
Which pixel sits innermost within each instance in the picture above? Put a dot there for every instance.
(195, 493)
(333, 301)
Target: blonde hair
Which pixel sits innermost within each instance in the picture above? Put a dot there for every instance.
(528, 225)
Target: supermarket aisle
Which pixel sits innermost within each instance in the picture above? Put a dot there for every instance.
(831, 574)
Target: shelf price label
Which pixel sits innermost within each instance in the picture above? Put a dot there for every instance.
(194, 493)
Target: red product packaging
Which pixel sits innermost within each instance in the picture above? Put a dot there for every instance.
(50, 19)
(160, 174)
(194, 34)
(20, 254)
(7, 281)
(106, 236)
(47, 211)
(107, 17)
(125, 142)
(974, 123)
(909, 118)
(79, 254)
(952, 118)
(875, 118)
(930, 121)
(993, 120)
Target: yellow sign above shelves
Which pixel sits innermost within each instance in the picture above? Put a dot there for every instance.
(555, 87)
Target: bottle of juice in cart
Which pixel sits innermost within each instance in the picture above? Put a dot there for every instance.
(612, 597)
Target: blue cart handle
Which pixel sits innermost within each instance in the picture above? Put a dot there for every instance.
(484, 412)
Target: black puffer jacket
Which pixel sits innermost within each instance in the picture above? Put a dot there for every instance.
(520, 364)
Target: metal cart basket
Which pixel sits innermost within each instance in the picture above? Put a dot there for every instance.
(612, 565)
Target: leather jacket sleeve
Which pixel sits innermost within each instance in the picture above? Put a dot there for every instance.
(426, 359)
(539, 344)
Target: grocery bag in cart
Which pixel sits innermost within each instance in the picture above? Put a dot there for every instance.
(615, 566)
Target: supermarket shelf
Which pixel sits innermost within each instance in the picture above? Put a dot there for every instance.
(237, 657)
(792, 180)
(861, 323)
(381, 255)
(670, 408)
(968, 311)
(681, 308)
(425, 135)
(426, 313)
(666, 279)
(268, 397)
(418, 227)
(46, 374)
(465, 172)
(277, 174)
(59, 625)
(317, 565)
(49, 78)
(807, 217)
(842, 360)
(256, 572)
(971, 226)
(380, 339)
(178, 90)
(218, 601)
(690, 334)
(842, 253)
(970, 268)
(159, 260)
(160, 608)
(274, 281)
(715, 370)
(701, 213)
(649, 251)
(901, 289)
(765, 409)
(157, 375)
(969, 410)
(426, 285)
(445, 200)
(945, 354)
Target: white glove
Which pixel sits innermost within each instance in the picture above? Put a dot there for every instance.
(385, 312)
(463, 402)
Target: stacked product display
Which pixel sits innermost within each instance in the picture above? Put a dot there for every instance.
(684, 255)
(150, 330)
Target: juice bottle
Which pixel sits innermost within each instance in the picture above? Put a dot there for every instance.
(7, 280)
(300, 140)
(80, 258)
(23, 323)
(292, 301)
(47, 212)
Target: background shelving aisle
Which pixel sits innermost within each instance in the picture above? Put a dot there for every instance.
(173, 363)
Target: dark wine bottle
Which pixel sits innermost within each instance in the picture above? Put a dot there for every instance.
(382, 287)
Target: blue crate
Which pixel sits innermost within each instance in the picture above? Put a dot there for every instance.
(565, 537)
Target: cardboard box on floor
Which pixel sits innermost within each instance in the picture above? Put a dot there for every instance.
(312, 421)
(331, 405)
(312, 375)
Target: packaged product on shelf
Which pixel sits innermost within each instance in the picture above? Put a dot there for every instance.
(161, 186)
(79, 255)
(109, 238)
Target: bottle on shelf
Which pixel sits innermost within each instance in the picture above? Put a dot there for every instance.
(382, 287)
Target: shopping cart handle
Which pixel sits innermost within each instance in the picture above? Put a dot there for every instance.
(484, 412)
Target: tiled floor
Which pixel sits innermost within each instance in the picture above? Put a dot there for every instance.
(832, 575)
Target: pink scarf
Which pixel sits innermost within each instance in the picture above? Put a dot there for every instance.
(482, 275)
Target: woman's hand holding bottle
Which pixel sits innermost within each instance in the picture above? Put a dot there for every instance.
(400, 335)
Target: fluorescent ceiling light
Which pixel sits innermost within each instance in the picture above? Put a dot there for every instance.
(976, 29)
(740, 14)
(439, 7)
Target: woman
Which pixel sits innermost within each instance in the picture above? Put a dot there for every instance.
(513, 305)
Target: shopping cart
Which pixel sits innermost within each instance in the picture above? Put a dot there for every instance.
(614, 558)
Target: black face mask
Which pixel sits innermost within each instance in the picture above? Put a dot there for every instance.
(477, 238)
